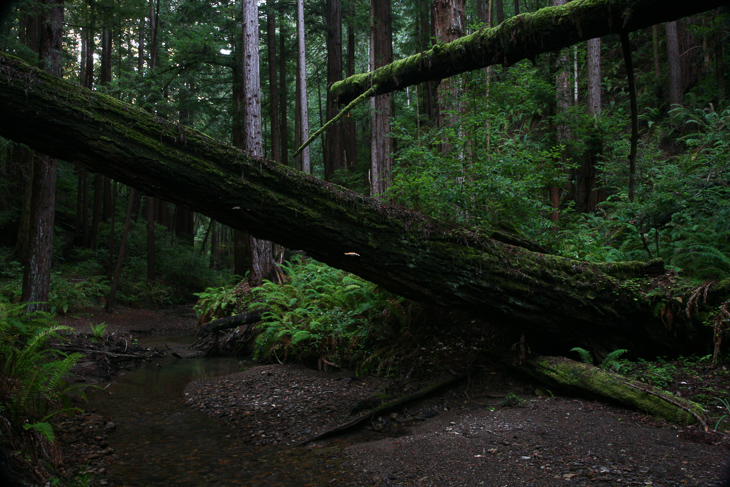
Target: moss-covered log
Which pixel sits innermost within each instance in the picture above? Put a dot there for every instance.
(566, 373)
(518, 38)
(556, 302)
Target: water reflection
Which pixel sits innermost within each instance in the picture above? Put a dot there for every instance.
(160, 441)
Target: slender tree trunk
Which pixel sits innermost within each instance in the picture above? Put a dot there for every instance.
(96, 210)
(350, 125)
(594, 77)
(720, 66)
(498, 11)
(673, 60)
(449, 24)
(588, 194)
(122, 249)
(151, 210)
(261, 251)
(284, 133)
(273, 91)
(112, 220)
(626, 48)
(302, 115)
(562, 91)
(381, 53)
(517, 7)
(333, 153)
(37, 271)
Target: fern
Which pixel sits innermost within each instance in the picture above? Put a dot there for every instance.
(585, 355)
(612, 359)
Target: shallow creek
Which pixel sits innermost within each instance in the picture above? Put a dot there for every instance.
(160, 441)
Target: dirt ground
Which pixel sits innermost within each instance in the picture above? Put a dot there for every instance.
(491, 429)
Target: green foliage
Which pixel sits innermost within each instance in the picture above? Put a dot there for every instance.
(585, 355)
(32, 386)
(322, 314)
(511, 400)
(216, 302)
(611, 361)
(98, 330)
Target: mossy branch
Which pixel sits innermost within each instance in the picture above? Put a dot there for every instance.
(344, 111)
(520, 37)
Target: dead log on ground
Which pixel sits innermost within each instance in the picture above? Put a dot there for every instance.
(596, 381)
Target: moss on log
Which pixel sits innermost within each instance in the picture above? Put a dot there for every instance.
(566, 373)
(557, 302)
(518, 38)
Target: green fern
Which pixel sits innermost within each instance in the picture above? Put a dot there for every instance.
(585, 355)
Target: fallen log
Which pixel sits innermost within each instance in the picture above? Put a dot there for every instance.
(556, 302)
(517, 38)
(384, 409)
(569, 374)
(231, 322)
(91, 351)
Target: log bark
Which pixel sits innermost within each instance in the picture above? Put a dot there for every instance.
(520, 37)
(557, 302)
(231, 322)
(566, 373)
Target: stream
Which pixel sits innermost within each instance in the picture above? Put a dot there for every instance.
(160, 441)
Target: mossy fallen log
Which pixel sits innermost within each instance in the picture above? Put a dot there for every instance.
(520, 37)
(557, 302)
(596, 381)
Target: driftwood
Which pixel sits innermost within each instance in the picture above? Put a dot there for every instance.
(384, 409)
(231, 322)
(90, 351)
(566, 373)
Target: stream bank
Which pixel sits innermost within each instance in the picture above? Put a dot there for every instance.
(467, 435)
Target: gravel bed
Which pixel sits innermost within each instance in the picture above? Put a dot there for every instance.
(280, 404)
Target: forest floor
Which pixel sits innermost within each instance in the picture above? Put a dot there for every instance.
(492, 428)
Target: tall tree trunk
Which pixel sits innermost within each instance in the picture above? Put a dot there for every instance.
(261, 251)
(626, 48)
(284, 131)
(381, 144)
(302, 115)
(273, 91)
(333, 153)
(96, 210)
(449, 24)
(673, 60)
(350, 125)
(151, 264)
(588, 194)
(517, 7)
(122, 250)
(498, 11)
(37, 271)
(563, 102)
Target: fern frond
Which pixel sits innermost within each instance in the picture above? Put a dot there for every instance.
(585, 355)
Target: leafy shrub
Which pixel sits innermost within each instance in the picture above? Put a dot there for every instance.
(322, 314)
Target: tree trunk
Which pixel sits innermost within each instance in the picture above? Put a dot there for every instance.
(302, 114)
(284, 131)
(122, 250)
(381, 53)
(96, 209)
(273, 90)
(449, 24)
(673, 60)
(333, 153)
(557, 302)
(518, 38)
(37, 271)
(350, 125)
(151, 210)
(260, 251)
(562, 132)
(626, 48)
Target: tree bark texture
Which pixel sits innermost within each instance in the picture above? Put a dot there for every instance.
(557, 301)
(333, 141)
(518, 38)
(273, 79)
(302, 115)
(674, 64)
(381, 53)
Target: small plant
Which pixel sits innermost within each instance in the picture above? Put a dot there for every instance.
(511, 400)
(97, 331)
(724, 404)
(610, 362)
